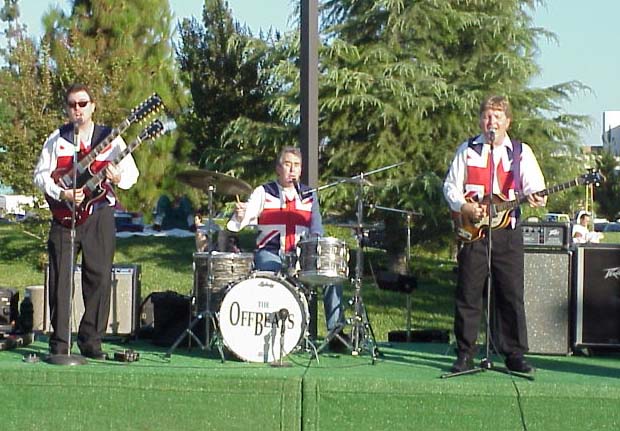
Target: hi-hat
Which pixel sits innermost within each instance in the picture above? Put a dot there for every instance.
(221, 183)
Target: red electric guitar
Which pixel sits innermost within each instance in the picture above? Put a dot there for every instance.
(94, 188)
(64, 176)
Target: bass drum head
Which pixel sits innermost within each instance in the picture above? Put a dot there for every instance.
(248, 317)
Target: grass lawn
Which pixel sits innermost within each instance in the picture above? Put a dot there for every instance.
(167, 264)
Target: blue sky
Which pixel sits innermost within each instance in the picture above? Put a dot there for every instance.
(587, 31)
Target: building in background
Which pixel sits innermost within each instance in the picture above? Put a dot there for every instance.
(611, 132)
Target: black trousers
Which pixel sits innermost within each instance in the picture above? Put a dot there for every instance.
(507, 278)
(96, 240)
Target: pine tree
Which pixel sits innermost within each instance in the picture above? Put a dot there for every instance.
(402, 81)
(123, 51)
(221, 65)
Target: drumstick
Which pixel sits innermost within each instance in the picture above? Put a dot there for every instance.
(238, 201)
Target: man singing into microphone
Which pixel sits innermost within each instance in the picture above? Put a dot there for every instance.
(467, 183)
(286, 213)
(96, 236)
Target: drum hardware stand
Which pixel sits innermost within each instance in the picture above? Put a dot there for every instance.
(362, 334)
(485, 363)
(409, 215)
(210, 318)
(69, 358)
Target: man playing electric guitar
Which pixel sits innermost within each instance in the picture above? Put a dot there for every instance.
(515, 169)
(95, 237)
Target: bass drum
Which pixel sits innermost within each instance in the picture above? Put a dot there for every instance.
(248, 317)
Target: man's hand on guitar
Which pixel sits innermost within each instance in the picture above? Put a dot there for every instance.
(113, 174)
(536, 200)
(67, 195)
(474, 211)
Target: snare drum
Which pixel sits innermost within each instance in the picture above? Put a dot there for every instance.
(248, 317)
(226, 268)
(323, 261)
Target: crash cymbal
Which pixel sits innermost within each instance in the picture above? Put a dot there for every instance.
(222, 183)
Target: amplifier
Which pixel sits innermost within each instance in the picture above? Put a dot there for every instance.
(546, 296)
(124, 302)
(9, 312)
(597, 295)
(546, 235)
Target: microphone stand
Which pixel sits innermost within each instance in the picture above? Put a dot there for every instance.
(70, 359)
(282, 316)
(485, 362)
(409, 215)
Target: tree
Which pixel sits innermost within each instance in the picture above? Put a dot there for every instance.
(25, 120)
(221, 65)
(401, 81)
(123, 50)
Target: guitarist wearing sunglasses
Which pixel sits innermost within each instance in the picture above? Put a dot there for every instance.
(95, 234)
(466, 190)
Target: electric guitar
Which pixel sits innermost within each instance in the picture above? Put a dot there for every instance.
(470, 231)
(64, 176)
(95, 189)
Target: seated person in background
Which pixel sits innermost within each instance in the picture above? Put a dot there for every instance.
(581, 233)
(175, 214)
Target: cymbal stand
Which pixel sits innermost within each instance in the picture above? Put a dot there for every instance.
(207, 315)
(362, 334)
(409, 215)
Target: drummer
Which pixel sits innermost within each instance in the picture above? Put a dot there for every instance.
(286, 214)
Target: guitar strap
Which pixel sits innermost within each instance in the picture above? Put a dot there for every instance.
(516, 172)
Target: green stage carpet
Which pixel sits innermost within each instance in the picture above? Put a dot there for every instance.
(402, 390)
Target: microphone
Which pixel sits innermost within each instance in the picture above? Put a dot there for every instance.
(491, 135)
(282, 316)
(298, 190)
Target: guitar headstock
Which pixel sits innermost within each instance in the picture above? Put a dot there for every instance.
(152, 131)
(146, 108)
(591, 177)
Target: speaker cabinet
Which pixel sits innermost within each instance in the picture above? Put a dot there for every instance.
(547, 276)
(124, 302)
(597, 296)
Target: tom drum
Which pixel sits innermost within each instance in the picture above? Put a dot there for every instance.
(323, 261)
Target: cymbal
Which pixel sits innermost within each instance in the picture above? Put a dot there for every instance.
(222, 183)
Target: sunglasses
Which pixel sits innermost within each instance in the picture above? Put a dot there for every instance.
(81, 104)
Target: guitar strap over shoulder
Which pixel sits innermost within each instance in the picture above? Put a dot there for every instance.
(516, 171)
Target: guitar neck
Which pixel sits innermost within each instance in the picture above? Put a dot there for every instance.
(86, 161)
(510, 205)
(98, 178)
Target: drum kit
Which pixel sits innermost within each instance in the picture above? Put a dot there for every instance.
(262, 316)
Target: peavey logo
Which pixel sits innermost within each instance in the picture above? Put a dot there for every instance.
(612, 272)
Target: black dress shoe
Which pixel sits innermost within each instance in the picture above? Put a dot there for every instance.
(462, 363)
(95, 354)
(517, 363)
